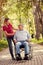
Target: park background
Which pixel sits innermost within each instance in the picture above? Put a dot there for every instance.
(27, 12)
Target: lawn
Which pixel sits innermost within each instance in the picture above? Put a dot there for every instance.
(37, 41)
(3, 44)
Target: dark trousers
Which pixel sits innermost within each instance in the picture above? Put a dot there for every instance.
(10, 39)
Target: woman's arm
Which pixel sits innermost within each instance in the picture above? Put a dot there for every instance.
(8, 34)
(13, 27)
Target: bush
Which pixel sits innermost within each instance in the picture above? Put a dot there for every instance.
(37, 41)
(3, 44)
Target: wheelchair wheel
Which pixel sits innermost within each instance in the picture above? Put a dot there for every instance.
(30, 52)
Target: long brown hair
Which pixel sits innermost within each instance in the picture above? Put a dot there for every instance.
(6, 20)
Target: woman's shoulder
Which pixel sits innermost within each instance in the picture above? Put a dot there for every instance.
(3, 26)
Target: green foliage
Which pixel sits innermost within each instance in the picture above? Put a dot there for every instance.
(3, 44)
(20, 11)
(37, 41)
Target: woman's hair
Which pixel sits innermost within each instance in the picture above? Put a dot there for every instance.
(6, 19)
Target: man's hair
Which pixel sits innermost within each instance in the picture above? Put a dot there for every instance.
(20, 25)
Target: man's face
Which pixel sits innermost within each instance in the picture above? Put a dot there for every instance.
(20, 27)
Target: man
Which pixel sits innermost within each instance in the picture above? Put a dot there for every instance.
(9, 32)
(21, 38)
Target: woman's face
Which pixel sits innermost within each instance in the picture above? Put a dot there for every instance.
(7, 22)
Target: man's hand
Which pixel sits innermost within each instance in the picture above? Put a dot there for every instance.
(15, 41)
(28, 40)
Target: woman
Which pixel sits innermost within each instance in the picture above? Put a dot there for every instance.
(9, 32)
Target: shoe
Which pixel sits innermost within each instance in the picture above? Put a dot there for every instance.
(18, 57)
(26, 58)
(13, 58)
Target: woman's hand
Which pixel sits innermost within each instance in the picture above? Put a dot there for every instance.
(9, 34)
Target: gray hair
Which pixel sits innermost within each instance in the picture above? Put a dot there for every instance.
(21, 25)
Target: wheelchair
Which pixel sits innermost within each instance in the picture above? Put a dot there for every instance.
(30, 55)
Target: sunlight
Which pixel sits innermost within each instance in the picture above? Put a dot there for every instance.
(38, 51)
(4, 57)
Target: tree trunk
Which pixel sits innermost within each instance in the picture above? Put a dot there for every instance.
(38, 18)
(42, 24)
(37, 26)
(1, 14)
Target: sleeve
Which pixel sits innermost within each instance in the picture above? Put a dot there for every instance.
(10, 25)
(28, 35)
(4, 28)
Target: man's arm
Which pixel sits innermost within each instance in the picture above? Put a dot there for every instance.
(29, 37)
(29, 40)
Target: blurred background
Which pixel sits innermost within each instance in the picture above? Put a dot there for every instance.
(27, 12)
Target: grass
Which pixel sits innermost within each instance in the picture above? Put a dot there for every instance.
(3, 44)
(37, 41)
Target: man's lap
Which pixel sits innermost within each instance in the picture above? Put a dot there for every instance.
(22, 43)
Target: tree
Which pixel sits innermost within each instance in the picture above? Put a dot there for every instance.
(1, 14)
(38, 17)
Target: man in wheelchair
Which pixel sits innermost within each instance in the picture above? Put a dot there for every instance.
(22, 38)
